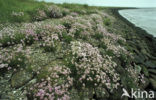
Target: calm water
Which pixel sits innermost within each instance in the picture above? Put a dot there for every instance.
(144, 18)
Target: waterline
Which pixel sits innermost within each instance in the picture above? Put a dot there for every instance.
(144, 18)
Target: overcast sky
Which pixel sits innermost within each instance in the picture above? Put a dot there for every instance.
(123, 3)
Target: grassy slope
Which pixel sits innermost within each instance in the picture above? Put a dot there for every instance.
(42, 58)
(26, 6)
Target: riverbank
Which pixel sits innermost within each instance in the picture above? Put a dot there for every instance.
(77, 52)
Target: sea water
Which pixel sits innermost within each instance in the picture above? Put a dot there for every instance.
(144, 18)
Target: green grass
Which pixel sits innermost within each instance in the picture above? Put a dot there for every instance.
(26, 6)
(107, 21)
(29, 7)
(81, 9)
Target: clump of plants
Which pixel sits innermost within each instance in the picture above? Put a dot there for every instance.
(13, 58)
(55, 85)
(54, 12)
(50, 43)
(40, 15)
(11, 36)
(107, 21)
(19, 17)
(91, 68)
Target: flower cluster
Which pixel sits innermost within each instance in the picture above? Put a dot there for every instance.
(74, 14)
(47, 92)
(117, 50)
(78, 27)
(97, 19)
(79, 30)
(68, 21)
(41, 15)
(12, 58)
(55, 12)
(93, 70)
(48, 29)
(50, 35)
(30, 36)
(55, 86)
(111, 41)
(50, 42)
(14, 35)
(49, 11)
(135, 74)
(17, 13)
(6, 34)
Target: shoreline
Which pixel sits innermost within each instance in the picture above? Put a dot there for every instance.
(135, 22)
(141, 33)
(138, 29)
(144, 47)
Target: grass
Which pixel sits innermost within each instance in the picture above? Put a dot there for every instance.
(26, 6)
(81, 9)
(29, 7)
(107, 21)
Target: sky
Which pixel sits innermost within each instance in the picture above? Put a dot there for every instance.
(119, 3)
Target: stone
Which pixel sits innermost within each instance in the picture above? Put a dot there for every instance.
(153, 76)
(153, 71)
(152, 57)
(153, 83)
(101, 93)
(20, 78)
(145, 84)
(117, 95)
(150, 64)
(144, 51)
(145, 71)
(139, 59)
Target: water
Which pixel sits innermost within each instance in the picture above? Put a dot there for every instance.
(144, 18)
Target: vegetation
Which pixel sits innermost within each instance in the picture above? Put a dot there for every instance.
(17, 10)
(62, 52)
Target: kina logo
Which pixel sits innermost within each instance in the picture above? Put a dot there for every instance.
(137, 94)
